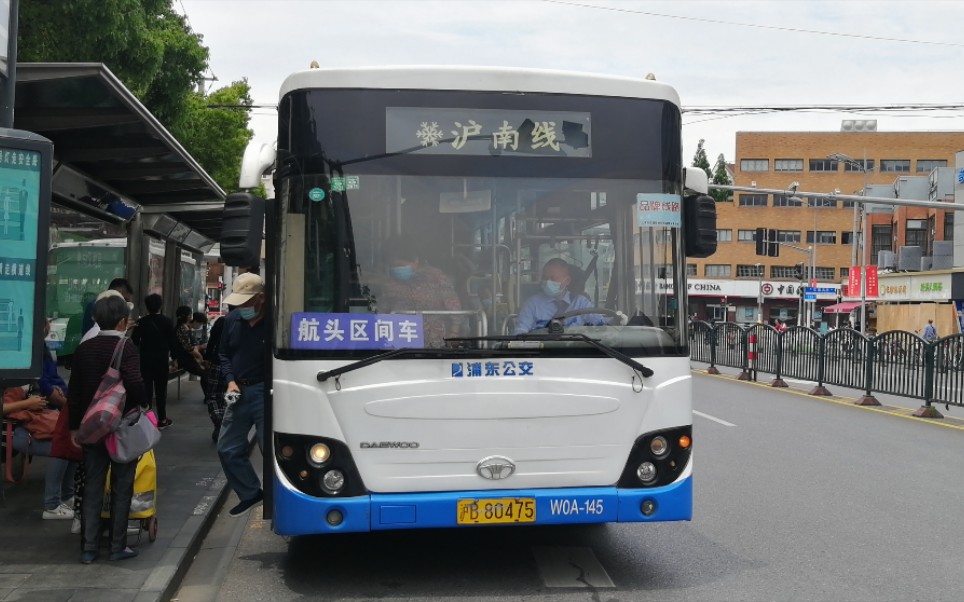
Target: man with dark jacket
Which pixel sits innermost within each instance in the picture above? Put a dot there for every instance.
(156, 339)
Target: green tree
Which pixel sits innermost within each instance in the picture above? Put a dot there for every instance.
(145, 43)
(215, 130)
(700, 160)
(154, 51)
(720, 176)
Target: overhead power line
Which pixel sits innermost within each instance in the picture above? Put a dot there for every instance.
(840, 34)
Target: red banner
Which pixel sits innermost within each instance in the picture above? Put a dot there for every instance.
(872, 290)
(853, 285)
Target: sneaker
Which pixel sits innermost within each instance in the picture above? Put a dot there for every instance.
(61, 512)
(163, 424)
(88, 557)
(243, 507)
(75, 526)
(123, 554)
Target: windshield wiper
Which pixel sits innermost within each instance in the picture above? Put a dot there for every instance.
(368, 361)
(577, 337)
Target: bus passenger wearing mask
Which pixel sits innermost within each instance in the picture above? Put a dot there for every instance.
(553, 299)
(415, 286)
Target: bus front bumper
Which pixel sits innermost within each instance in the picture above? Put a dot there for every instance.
(298, 514)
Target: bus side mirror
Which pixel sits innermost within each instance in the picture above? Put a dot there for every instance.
(242, 229)
(699, 223)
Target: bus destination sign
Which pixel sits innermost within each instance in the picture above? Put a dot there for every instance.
(485, 132)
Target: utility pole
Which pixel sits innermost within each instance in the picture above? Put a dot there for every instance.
(8, 64)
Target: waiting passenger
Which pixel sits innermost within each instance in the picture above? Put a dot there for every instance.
(555, 298)
(414, 286)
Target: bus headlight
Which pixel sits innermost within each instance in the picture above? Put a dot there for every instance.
(646, 472)
(318, 454)
(659, 446)
(333, 481)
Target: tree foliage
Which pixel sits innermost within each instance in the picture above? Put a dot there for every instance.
(700, 160)
(154, 51)
(721, 176)
(217, 135)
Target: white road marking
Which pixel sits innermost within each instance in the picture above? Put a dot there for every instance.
(713, 418)
(571, 567)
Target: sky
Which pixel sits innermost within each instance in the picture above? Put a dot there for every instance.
(714, 52)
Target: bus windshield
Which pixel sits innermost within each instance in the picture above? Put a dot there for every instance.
(420, 236)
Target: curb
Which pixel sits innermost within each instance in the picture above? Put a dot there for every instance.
(165, 579)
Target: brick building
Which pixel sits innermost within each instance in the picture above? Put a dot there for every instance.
(726, 284)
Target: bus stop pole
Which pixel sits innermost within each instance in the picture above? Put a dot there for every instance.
(8, 97)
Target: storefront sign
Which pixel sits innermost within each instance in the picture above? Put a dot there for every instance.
(914, 287)
(771, 289)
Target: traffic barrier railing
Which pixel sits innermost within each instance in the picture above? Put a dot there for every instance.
(895, 362)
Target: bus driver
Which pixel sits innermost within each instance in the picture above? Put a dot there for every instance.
(555, 298)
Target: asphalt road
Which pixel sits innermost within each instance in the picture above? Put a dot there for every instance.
(796, 499)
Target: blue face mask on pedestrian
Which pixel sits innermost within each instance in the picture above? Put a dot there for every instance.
(247, 313)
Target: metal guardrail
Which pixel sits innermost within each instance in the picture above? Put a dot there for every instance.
(895, 362)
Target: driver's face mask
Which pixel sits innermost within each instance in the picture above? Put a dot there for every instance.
(552, 288)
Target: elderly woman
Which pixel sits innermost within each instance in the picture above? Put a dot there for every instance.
(91, 361)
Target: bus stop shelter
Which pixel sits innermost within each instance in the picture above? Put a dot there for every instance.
(118, 174)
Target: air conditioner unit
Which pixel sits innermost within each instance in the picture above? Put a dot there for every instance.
(908, 259)
(926, 263)
(942, 262)
(943, 248)
(886, 259)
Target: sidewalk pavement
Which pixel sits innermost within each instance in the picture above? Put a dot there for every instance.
(40, 559)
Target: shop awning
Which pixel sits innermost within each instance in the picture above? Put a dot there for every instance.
(109, 141)
(841, 308)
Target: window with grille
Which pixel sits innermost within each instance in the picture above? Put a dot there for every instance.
(826, 273)
(754, 165)
(691, 269)
(783, 272)
(783, 200)
(823, 165)
(844, 272)
(753, 200)
(949, 225)
(749, 271)
(716, 270)
(895, 166)
(788, 236)
(847, 238)
(824, 237)
(821, 202)
(788, 165)
(916, 234)
(880, 241)
(856, 165)
(928, 165)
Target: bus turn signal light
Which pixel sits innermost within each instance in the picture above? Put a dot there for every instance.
(684, 442)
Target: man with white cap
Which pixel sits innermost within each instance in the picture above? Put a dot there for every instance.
(242, 356)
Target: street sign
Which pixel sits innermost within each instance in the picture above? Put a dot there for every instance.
(809, 296)
(820, 290)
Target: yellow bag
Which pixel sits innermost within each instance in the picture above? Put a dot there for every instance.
(144, 501)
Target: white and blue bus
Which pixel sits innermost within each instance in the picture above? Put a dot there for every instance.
(414, 212)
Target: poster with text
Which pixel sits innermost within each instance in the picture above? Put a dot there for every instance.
(20, 172)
